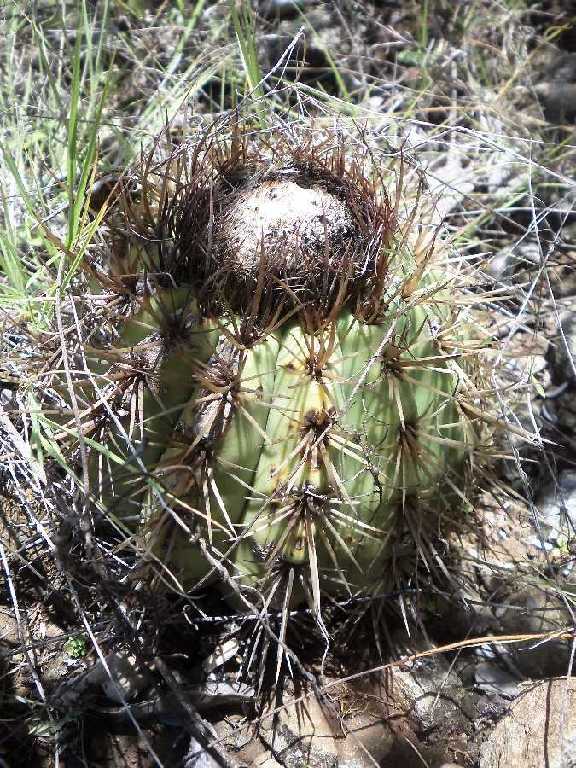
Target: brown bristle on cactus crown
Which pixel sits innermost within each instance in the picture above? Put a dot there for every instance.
(295, 226)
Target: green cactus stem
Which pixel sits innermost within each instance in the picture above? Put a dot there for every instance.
(303, 365)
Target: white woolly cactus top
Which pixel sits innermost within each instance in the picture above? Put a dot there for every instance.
(281, 217)
(302, 400)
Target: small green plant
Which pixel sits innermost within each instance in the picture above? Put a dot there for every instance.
(76, 647)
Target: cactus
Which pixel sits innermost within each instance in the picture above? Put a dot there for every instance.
(292, 386)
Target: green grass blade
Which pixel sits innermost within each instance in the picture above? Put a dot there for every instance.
(244, 28)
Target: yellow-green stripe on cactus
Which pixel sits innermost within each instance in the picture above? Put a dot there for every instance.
(309, 383)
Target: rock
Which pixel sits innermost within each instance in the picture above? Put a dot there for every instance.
(524, 373)
(539, 730)
(7, 396)
(198, 757)
(279, 10)
(125, 681)
(562, 67)
(450, 765)
(463, 612)
(309, 60)
(561, 359)
(449, 183)
(433, 695)
(561, 412)
(561, 355)
(489, 677)
(557, 92)
(308, 736)
(558, 100)
(128, 678)
(121, 750)
(533, 611)
(9, 632)
(557, 508)
(501, 265)
(507, 262)
(387, 719)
